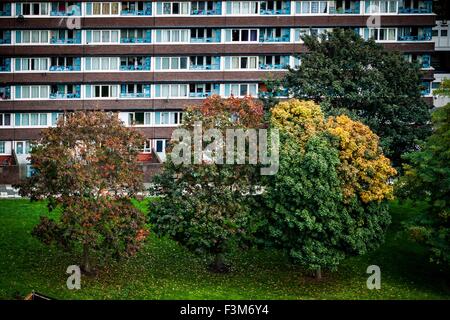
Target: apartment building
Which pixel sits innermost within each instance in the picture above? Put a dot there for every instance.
(147, 60)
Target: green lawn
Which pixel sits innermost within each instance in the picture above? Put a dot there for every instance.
(164, 270)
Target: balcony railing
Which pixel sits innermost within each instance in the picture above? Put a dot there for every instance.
(146, 12)
(424, 37)
(272, 66)
(205, 40)
(215, 66)
(201, 94)
(134, 68)
(134, 95)
(212, 12)
(285, 38)
(65, 41)
(426, 7)
(60, 95)
(275, 11)
(135, 40)
(5, 41)
(5, 13)
(65, 68)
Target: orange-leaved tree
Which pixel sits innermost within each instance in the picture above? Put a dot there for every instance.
(86, 168)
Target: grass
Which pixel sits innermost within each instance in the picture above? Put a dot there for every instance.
(164, 270)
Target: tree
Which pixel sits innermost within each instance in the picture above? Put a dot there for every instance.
(86, 167)
(348, 75)
(328, 199)
(204, 206)
(427, 179)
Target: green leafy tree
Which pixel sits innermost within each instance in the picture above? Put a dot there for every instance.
(204, 206)
(348, 75)
(86, 168)
(328, 200)
(427, 178)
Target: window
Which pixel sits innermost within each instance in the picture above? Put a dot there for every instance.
(135, 63)
(160, 146)
(273, 62)
(205, 7)
(147, 146)
(5, 92)
(136, 7)
(242, 7)
(383, 6)
(31, 119)
(171, 90)
(444, 33)
(240, 90)
(236, 63)
(135, 36)
(64, 91)
(138, 118)
(31, 64)
(167, 118)
(32, 92)
(171, 63)
(2, 147)
(311, 7)
(101, 63)
(32, 36)
(169, 8)
(201, 90)
(32, 9)
(5, 119)
(101, 91)
(102, 36)
(241, 35)
(102, 8)
(172, 35)
(381, 34)
(22, 147)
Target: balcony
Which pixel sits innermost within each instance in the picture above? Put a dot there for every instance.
(345, 7)
(65, 68)
(142, 9)
(5, 65)
(421, 34)
(271, 35)
(65, 11)
(62, 95)
(135, 67)
(214, 66)
(134, 95)
(146, 39)
(423, 7)
(272, 66)
(5, 10)
(277, 8)
(5, 93)
(206, 8)
(203, 94)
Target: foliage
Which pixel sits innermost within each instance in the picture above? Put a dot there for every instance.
(204, 205)
(363, 168)
(86, 166)
(327, 201)
(346, 74)
(165, 270)
(444, 89)
(427, 178)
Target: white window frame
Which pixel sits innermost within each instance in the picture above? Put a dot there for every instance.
(41, 5)
(375, 7)
(240, 35)
(171, 88)
(299, 4)
(42, 90)
(28, 60)
(30, 33)
(182, 5)
(238, 8)
(103, 4)
(171, 62)
(171, 33)
(101, 33)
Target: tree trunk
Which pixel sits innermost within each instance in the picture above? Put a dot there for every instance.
(318, 274)
(86, 262)
(219, 265)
